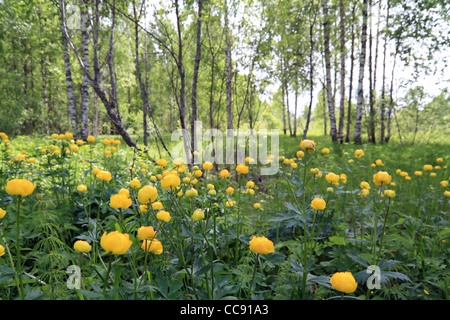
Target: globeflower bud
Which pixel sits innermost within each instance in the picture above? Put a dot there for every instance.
(198, 215)
(344, 282)
(261, 245)
(82, 246)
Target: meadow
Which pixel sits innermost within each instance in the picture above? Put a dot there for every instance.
(95, 219)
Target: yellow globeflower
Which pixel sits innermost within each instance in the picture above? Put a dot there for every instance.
(308, 145)
(261, 245)
(2, 213)
(170, 181)
(447, 193)
(198, 215)
(229, 190)
(224, 173)
(364, 185)
(161, 163)
(82, 246)
(318, 204)
(163, 215)
(90, 139)
(344, 282)
(19, 187)
(250, 184)
(381, 178)
(359, 153)
(325, 151)
(427, 167)
(300, 154)
(157, 205)
(364, 193)
(191, 193)
(418, 173)
(81, 188)
(115, 242)
(378, 162)
(147, 194)
(104, 175)
(444, 183)
(257, 205)
(242, 168)
(120, 201)
(135, 183)
(389, 193)
(332, 178)
(146, 233)
(439, 160)
(153, 245)
(207, 165)
(2, 250)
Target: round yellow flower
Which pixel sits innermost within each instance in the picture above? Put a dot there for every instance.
(163, 215)
(344, 282)
(389, 193)
(146, 233)
(170, 181)
(157, 205)
(364, 193)
(318, 204)
(378, 162)
(257, 205)
(2, 213)
(191, 193)
(444, 183)
(90, 139)
(427, 167)
(115, 242)
(230, 203)
(418, 173)
(308, 145)
(82, 246)
(332, 178)
(120, 201)
(364, 185)
(439, 160)
(161, 163)
(325, 151)
(153, 245)
(242, 168)
(198, 215)
(261, 245)
(359, 153)
(147, 194)
(81, 188)
(19, 187)
(381, 178)
(447, 193)
(224, 173)
(207, 165)
(229, 190)
(135, 183)
(300, 154)
(2, 250)
(104, 175)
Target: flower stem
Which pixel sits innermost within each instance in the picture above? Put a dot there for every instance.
(253, 277)
(19, 262)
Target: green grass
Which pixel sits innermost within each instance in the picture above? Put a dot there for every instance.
(406, 236)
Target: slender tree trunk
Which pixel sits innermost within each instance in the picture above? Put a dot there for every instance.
(295, 112)
(228, 70)
(342, 87)
(330, 100)
(311, 73)
(391, 103)
(284, 108)
(182, 74)
(84, 132)
(198, 55)
(97, 75)
(142, 85)
(69, 84)
(110, 104)
(288, 111)
(350, 90)
(362, 62)
(383, 97)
